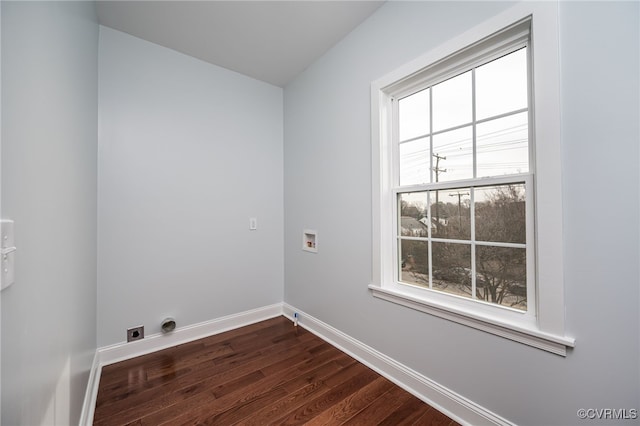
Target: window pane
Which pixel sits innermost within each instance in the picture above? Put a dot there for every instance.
(413, 115)
(414, 162)
(502, 146)
(413, 214)
(501, 85)
(453, 155)
(450, 213)
(414, 262)
(501, 276)
(452, 268)
(452, 102)
(500, 213)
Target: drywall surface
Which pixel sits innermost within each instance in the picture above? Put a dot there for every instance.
(328, 189)
(188, 153)
(601, 143)
(49, 172)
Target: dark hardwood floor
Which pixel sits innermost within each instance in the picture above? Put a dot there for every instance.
(266, 373)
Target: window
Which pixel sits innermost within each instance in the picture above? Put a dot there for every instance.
(463, 173)
(463, 152)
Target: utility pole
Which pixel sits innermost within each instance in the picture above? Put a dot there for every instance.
(438, 170)
(459, 195)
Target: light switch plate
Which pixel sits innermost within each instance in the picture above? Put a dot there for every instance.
(8, 254)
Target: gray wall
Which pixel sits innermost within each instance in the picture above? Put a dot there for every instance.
(328, 188)
(49, 143)
(601, 141)
(188, 152)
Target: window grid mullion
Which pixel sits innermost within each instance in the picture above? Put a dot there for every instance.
(473, 123)
(430, 245)
(430, 136)
(430, 236)
(472, 225)
(465, 242)
(472, 219)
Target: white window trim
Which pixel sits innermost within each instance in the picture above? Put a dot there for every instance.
(546, 330)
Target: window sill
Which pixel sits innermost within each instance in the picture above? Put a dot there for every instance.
(532, 337)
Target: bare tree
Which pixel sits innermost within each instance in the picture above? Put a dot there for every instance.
(501, 271)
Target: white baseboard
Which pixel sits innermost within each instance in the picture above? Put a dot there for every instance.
(91, 393)
(444, 400)
(155, 342)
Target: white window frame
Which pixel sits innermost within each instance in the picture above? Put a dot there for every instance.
(543, 324)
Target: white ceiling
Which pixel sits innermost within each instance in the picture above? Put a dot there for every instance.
(272, 41)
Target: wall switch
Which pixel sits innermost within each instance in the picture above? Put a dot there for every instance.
(253, 223)
(7, 253)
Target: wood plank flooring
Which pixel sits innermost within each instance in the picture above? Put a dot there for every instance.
(268, 373)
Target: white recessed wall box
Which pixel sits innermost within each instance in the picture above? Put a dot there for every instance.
(310, 240)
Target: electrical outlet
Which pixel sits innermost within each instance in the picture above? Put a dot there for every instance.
(135, 333)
